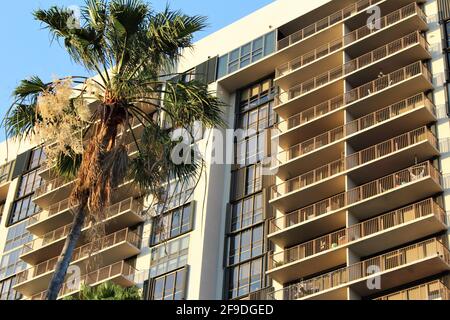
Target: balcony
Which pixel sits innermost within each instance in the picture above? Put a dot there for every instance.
(393, 154)
(114, 247)
(434, 290)
(369, 237)
(124, 214)
(400, 52)
(360, 134)
(329, 113)
(330, 54)
(395, 268)
(406, 81)
(403, 116)
(387, 193)
(353, 15)
(56, 216)
(119, 273)
(53, 191)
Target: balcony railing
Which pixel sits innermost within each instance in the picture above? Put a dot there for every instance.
(358, 194)
(339, 102)
(434, 290)
(363, 91)
(51, 185)
(359, 158)
(326, 22)
(81, 253)
(307, 179)
(357, 232)
(393, 17)
(363, 269)
(309, 58)
(353, 127)
(52, 210)
(348, 39)
(91, 279)
(115, 209)
(352, 66)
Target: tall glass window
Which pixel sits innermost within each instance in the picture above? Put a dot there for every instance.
(169, 256)
(6, 290)
(245, 278)
(23, 206)
(172, 224)
(171, 286)
(248, 53)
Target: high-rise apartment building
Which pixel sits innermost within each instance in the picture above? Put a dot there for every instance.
(350, 102)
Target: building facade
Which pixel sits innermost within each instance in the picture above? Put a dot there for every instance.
(349, 100)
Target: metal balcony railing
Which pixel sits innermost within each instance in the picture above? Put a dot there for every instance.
(52, 210)
(348, 39)
(353, 127)
(357, 232)
(91, 279)
(358, 194)
(359, 158)
(363, 269)
(326, 22)
(434, 290)
(352, 66)
(115, 209)
(51, 185)
(329, 106)
(124, 235)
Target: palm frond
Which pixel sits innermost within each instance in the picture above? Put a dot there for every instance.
(172, 31)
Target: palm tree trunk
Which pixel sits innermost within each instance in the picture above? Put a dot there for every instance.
(66, 255)
(102, 142)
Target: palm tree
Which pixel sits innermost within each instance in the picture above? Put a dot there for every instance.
(131, 50)
(107, 291)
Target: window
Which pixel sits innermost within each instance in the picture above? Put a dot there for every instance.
(17, 236)
(172, 224)
(253, 179)
(233, 61)
(257, 49)
(246, 181)
(222, 66)
(11, 264)
(5, 170)
(6, 290)
(246, 278)
(251, 150)
(246, 54)
(29, 183)
(177, 194)
(169, 256)
(170, 287)
(247, 212)
(37, 158)
(269, 43)
(23, 209)
(256, 95)
(245, 245)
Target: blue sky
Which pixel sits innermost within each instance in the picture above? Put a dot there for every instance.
(27, 50)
